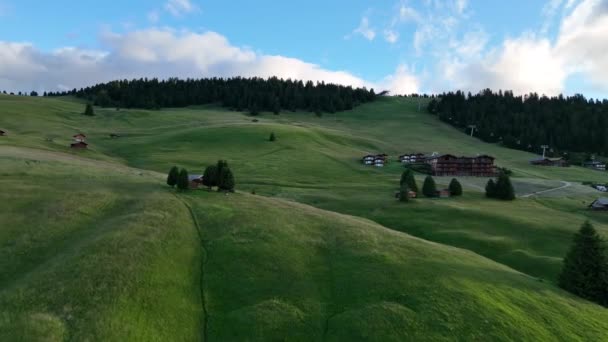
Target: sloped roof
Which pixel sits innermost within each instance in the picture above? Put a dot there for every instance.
(601, 201)
(194, 177)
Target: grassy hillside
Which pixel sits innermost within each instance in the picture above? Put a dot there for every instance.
(97, 248)
(98, 251)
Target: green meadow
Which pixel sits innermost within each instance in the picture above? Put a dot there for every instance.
(94, 245)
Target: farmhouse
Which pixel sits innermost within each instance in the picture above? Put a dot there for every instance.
(595, 165)
(599, 204)
(79, 137)
(195, 181)
(450, 165)
(411, 158)
(79, 144)
(543, 161)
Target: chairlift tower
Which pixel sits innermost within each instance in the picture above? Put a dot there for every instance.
(544, 147)
(473, 128)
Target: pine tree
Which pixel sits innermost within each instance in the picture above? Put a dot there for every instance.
(585, 269)
(429, 189)
(172, 176)
(272, 137)
(404, 193)
(491, 189)
(226, 180)
(455, 187)
(504, 188)
(88, 111)
(210, 176)
(408, 179)
(182, 180)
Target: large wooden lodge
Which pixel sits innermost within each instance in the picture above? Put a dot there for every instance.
(450, 165)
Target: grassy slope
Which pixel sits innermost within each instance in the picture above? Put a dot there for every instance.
(314, 161)
(93, 251)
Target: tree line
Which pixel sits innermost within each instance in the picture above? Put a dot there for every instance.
(240, 94)
(565, 124)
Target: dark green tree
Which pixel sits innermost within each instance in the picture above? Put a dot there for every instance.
(88, 110)
(226, 182)
(272, 137)
(504, 188)
(404, 193)
(182, 180)
(210, 176)
(491, 189)
(585, 269)
(408, 179)
(173, 176)
(429, 188)
(455, 187)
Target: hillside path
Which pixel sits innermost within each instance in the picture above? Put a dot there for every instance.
(565, 185)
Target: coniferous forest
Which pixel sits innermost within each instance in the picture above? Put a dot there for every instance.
(241, 94)
(565, 124)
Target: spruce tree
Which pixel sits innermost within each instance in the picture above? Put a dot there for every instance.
(404, 193)
(210, 176)
(272, 137)
(407, 178)
(172, 176)
(504, 188)
(491, 189)
(88, 110)
(585, 269)
(226, 180)
(429, 189)
(182, 180)
(455, 187)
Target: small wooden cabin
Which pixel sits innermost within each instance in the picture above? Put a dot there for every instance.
(79, 144)
(79, 137)
(445, 193)
(558, 162)
(195, 182)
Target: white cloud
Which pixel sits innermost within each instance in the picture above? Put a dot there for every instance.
(180, 7)
(365, 30)
(391, 36)
(402, 82)
(408, 14)
(461, 5)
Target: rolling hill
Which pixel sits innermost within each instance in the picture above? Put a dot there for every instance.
(96, 247)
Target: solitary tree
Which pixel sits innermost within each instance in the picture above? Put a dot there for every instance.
(272, 137)
(226, 180)
(173, 176)
(210, 176)
(455, 187)
(408, 179)
(429, 189)
(182, 180)
(585, 269)
(89, 110)
(491, 189)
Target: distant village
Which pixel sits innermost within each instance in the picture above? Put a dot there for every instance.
(442, 165)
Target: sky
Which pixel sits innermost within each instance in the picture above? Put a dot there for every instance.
(404, 46)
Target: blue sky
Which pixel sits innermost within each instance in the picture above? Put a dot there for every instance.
(401, 45)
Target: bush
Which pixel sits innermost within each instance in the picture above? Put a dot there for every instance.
(272, 137)
(429, 188)
(491, 189)
(501, 189)
(226, 182)
(408, 179)
(455, 187)
(210, 176)
(404, 194)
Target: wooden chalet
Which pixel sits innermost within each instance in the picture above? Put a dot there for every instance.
(79, 144)
(79, 137)
(600, 204)
(411, 158)
(377, 160)
(195, 181)
(558, 162)
(450, 165)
